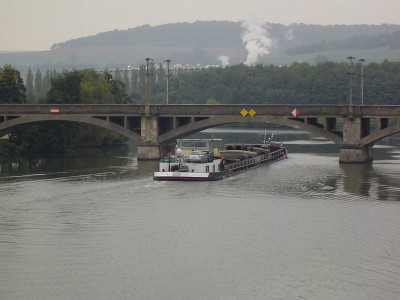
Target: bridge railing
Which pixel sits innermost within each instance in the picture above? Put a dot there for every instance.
(177, 109)
(205, 110)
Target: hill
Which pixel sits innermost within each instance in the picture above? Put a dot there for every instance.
(216, 42)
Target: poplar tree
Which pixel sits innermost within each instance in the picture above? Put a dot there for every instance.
(125, 78)
(38, 85)
(117, 75)
(46, 85)
(29, 87)
(135, 94)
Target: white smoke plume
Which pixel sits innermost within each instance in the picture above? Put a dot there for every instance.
(257, 41)
(224, 59)
(289, 35)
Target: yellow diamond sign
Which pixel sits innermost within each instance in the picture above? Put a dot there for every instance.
(252, 112)
(244, 112)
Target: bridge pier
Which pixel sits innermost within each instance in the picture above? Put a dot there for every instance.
(148, 150)
(149, 147)
(351, 150)
(355, 153)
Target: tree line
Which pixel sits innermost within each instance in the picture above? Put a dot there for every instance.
(300, 83)
(127, 85)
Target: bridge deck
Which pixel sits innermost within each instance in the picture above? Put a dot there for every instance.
(210, 110)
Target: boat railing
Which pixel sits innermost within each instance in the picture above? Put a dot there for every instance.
(254, 161)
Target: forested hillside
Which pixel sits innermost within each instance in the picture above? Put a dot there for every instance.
(221, 34)
(216, 43)
(198, 34)
(359, 42)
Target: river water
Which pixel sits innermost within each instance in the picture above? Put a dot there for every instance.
(99, 227)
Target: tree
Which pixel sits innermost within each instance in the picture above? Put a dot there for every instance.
(126, 81)
(95, 88)
(86, 86)
(135, 93)
(12, 89)
(66, 89)
(29, 86)
(46, 83)
(117, 75)
(117, 90)
(38, 85)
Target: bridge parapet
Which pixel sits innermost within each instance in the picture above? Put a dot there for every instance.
(387, 111)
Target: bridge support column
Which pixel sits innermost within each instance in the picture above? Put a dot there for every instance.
(355, 153)
(149, 147)
(148, 151)
(351, 150)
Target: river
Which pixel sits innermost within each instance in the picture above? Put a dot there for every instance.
(98, 227)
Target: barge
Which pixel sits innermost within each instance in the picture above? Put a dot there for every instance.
(203, 159)
(243, 157)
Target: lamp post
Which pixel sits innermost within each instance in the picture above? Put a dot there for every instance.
(362, 79)
(148, 73)
(351, 73)
(168, 75)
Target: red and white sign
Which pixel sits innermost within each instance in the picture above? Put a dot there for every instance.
(296, 112)
(54, 110)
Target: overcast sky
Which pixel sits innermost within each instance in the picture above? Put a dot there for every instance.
(37, 24)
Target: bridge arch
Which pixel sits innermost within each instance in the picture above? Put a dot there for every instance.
(23, 120)
(379, 135)
(221, 120)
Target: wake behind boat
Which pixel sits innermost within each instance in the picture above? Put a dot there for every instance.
(203, 159)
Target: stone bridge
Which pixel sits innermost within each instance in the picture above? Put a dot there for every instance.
(156, 127)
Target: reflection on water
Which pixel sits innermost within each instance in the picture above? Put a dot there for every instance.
(357, 178)
(85, 162)
(379, 180)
